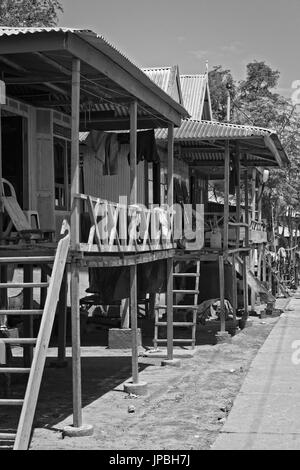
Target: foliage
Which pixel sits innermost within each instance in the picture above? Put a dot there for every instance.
(29, 13)
(256, 103)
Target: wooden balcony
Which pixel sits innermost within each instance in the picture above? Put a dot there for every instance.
(112, 228)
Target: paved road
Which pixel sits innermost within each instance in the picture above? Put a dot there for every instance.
(266, 412)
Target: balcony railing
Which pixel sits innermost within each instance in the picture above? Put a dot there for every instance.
(109, 227)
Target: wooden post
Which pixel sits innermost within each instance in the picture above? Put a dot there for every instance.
(253, 217)
(62, 319)
(226, 194)
(246, 258)
(222, 293)
(75, 221)
(1, 206)
(28, 322)
(264, 261)
(245, 287)
(133, 269)
(170, 332)
(238, 194)
(234, 290)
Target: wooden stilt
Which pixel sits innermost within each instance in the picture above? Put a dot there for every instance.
(226, 194)
(234, 290)
(247, 241)
(75, 238)
(245, 288)
(133, 310)
(28, 321)
(222, 293)
(133, 269)
(170, 332)
(76, 358)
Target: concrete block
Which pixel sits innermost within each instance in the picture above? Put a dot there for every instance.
(223, 337)
(140, 388)
(121, 338)
(84, 430)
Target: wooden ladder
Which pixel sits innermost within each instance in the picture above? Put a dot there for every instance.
(28, 405)
(193, 307)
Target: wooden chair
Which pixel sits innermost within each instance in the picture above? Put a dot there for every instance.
(18, 219)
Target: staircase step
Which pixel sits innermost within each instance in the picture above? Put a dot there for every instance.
(7, 436)
(186, 275)
(179, 291)
(24, 285)
(193, 307)
(21, 312)
(18, 340)
(8, 402)
(14, 370)
(27, 260)
(177, 323)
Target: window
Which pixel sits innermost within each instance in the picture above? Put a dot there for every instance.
(62, 173)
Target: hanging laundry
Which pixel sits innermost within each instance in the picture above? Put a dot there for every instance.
(112, 148)
(96, 142)
(146, 146)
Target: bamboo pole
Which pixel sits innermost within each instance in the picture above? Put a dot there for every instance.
(75, 221)
(170, 332)
(133, 269)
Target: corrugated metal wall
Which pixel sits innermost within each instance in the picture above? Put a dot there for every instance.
(111, 187)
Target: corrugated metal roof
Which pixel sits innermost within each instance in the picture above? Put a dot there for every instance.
(101, 44)
(160, 76)
(192, 129)
(193, 93)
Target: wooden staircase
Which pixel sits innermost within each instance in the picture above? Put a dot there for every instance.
(178, 307)
(21, 438)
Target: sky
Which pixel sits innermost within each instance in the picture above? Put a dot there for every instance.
(188, 33)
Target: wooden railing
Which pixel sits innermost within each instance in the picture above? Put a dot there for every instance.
(255, 231)
(112, 227)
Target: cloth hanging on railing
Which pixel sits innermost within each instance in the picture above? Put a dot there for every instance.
(146, 146)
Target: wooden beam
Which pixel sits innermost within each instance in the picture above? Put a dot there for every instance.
(26, 43)
(120, 123)
(75, 178)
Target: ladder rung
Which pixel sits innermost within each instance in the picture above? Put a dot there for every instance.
(178, 291)
(186, 274)
(177, 323)
(14, 370)
(192, 307)
(27, 260)
(7, 436)
(7, 402)
(175, 340)
(24, 285)
(21, 312)
(18, 340)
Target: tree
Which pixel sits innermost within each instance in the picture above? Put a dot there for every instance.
(29, 13)
(220, 83)
(255, 102)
